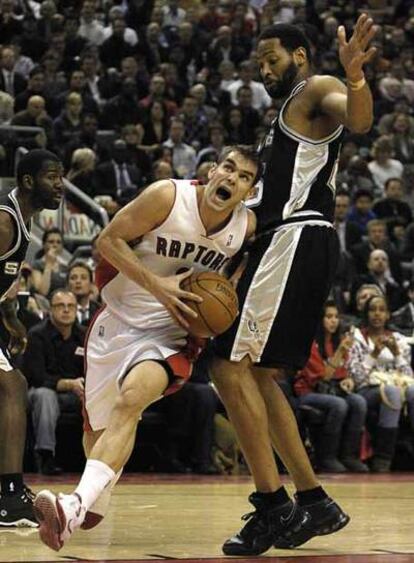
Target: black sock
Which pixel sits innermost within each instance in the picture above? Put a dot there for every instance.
(277, 498)
(11, 483)
(310, 496)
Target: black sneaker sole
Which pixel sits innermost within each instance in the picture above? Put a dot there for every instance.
(330, 526)
(239, 549)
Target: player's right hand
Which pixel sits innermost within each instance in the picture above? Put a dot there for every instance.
(172, 296)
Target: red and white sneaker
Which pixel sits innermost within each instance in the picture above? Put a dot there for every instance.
(98, 510)
(58, 517)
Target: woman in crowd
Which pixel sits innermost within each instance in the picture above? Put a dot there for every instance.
(81, 172)
(156, 127)
(379, 363)
(49, 271)
(325, 384)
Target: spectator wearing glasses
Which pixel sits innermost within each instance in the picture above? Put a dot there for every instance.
(53, 366)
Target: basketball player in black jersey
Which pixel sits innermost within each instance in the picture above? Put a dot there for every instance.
(287, 278)
(39, 186)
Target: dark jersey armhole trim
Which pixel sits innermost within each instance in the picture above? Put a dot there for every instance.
(19, 232)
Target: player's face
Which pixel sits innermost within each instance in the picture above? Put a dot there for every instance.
(47, 188)
(229, 182)
(278, 69)
(79, 281)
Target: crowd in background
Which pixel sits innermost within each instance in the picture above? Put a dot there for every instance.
(132, 91)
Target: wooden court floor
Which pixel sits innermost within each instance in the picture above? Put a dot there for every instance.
(160, 517)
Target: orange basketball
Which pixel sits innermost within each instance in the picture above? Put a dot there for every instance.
(220, 305)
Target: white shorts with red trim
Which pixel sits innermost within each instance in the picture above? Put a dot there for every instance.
(112, 349)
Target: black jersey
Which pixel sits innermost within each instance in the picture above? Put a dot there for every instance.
(11, 261)
(298, 178)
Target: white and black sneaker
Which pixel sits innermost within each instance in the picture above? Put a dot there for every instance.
(17, 510)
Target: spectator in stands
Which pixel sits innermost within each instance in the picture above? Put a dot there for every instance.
(99, 87)
(155, 127)
(157, 89)
(216, 96)
(250, 117)
(384, 166)
(392, 207)
(155, 46)
(364, 292)
(356, 176)
(162, 170)
(377, 238)
(379, 273)
(74, 43)
(49, 271)
(82, 170)
(133, 136)
(87, 138)
(53, 366)
(402, 139)
(35, 115)
(116, 47)
(212, 151)
(130, 35)
(349, 233)
(10, 22)
(90, 28)
(55, 81)
(172, 14)
(130, 69)
(80, 283)
(123, 108)
(260, 98)
(403, 319)
(195, 123)
(117, 178)
(235, 128)
(361, 211)
(224, 48)
(376, 350)
(35, 87)
(184, 156)
(6, 108)
(202, 172)
(77, 83)
(325, 385)
(11, 81)
(68, 125)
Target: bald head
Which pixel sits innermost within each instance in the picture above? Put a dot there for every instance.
(35, 105)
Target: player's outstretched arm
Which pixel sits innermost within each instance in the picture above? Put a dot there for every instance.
(149, 210)
(351, 105)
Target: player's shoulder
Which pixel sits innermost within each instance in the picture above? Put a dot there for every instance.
(159, 194)
(251, 224)
(323, 84)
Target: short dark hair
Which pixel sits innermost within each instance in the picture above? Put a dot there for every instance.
(246, 151)
(36, 70)
(80, 264)
(291, 37)
(388, 182)
(33, 161)
(64, 290)
(362, 192)
(342, 192)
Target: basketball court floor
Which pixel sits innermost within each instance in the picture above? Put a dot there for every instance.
(164, 517)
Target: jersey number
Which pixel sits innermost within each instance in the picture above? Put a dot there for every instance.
(11, 268)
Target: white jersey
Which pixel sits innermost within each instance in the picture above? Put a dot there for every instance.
(181, 242)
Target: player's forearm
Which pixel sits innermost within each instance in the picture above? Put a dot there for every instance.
(360, 108)
(118, 253)
(9, 315)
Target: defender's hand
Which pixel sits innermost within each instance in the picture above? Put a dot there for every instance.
(355, 53)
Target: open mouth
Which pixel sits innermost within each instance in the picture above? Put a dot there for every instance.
(223, 193)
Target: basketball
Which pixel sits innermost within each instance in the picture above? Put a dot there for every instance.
(219, 308)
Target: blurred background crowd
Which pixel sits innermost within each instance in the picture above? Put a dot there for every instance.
(131, 91)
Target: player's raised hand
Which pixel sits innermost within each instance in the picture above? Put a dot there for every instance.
(169, 292)
(356, 52)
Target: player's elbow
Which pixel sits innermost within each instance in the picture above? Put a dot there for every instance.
(361, 126)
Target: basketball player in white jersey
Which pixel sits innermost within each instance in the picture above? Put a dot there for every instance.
(136, 350)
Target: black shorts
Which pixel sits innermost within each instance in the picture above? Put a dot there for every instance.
(281, 295)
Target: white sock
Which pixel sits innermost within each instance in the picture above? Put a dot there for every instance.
(96, 476)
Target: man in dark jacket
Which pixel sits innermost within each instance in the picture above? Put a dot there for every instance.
(53, 366)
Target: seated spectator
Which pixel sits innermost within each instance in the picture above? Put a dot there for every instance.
(162, 170)
(377, 352)
(402, 139)
(392, 206)
(364, 292)
(49, 271)
(216, 96)
(68, 125)
(377, 238)
(35, 115)
(195, 123)
(116, 47)
(6, 108)
(379, 274)
(53, 366)
(211, 152)
(80, 283)
(361, 211)
(123, 108)
(250, 116)
(90, 28)
(11, 81)
(157, 91)
(356, 176)
(130, 35)
(325, 384)
(116, 178)
(202, 172)
(235, 127)
(184, 156)
(403, 319)
(35, 87)
(155, 127)
(349, 233)
(136, 155)
(55, 81)
(82, 170)
(78, 85)
(87, 138)
(260, 98)
(383, 166)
